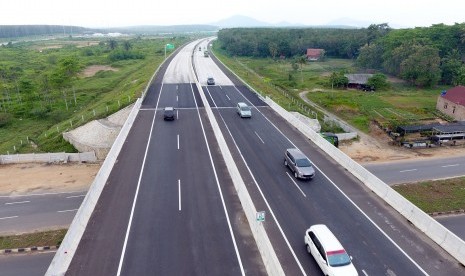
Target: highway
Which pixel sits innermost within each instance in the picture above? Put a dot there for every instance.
(380, 240)
(20, 214)
(30, 264)
(169, 207)
(414, 171)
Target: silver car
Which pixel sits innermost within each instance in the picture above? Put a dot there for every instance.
(299, 164)
(243, 110)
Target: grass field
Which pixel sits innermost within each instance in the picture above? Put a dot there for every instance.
(401, 104)
(47, 238)
(37, 112)
(436, 196)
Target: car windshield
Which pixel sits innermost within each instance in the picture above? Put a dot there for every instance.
(304, 162)
(338, 258)
(245, 108)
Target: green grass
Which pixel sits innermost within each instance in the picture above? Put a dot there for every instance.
(41, 114)
(401, 104)
(47, 238)
(435, 196)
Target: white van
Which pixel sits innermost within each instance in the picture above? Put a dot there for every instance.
(328, 251)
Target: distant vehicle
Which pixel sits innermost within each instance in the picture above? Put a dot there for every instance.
(244, 110)
(200, 48)
(331, 137)
(328, 252)
(205, 53)
(168, 114)
(210, 81)
(299, 164)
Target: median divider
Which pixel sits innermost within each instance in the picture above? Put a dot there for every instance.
(424, 222)
(269, 257)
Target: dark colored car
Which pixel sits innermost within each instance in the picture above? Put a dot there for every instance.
(168, 113)
(211, 81)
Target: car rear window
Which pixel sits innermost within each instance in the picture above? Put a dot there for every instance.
(304, 162)
(338, 258)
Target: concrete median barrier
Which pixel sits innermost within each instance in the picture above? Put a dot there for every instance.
(433, 229)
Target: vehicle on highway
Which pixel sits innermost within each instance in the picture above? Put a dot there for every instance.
(244, 110)
(210, 81)
(205, 53)
(328, 251)
(299, 164)
(168, 113)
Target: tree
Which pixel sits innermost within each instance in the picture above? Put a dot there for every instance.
(337, 79)
(371, 56)
(375, 31)
(378, 81)
(459, 78)
(421, 68)
(127, 45)
(273, 49)
(112, 44)
(450, 66)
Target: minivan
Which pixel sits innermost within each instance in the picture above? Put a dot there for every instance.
(244, 110)
(328, 251)
(299, 164)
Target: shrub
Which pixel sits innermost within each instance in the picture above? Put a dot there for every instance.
(5, 118)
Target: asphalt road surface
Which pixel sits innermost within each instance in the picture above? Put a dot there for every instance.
(34, 212)
(30, 264)
(414, 171)
(169, 207)
(380, 240)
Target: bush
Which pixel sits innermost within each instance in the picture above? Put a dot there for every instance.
(5, 118)
(124, 55)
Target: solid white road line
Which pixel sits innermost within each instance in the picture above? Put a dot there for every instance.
(75, 196)
(120, 266)
(259, 137)
(9, 217)
(334, 184)
(454, 165)
(218, 185)
(65, 211)
(179, 189)
(17, 202)
(258, 186)
(295, 183)
(408, 170)
(228, 97)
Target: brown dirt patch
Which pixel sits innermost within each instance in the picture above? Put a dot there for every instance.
(377, 147)
(93, 69)
(18, 179)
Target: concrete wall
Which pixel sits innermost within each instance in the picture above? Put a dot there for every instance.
(57, 157)
(454, 110)
(433, 229)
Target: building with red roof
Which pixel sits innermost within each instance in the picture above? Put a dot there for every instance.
(452, 103)
(315, 54)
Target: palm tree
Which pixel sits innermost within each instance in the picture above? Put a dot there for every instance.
(127, 45)
(112, 44)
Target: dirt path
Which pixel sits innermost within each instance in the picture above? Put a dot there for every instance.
(19, 179)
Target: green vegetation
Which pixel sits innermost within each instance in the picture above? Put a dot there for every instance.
(398, 104)
(43, 91)
(47, 238)
(424, 57)
(436, 196)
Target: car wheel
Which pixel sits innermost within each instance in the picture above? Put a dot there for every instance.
(308, 248)
(285, 162)
(296, 175)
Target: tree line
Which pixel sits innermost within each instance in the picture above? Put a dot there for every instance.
(423, 56)
(15, 31)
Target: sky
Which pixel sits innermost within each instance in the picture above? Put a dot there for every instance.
(119, 13)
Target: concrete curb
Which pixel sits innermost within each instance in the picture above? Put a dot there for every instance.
(28, 249)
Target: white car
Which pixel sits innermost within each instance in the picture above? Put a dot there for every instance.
(243, 110)
(328, 252)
